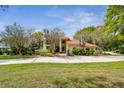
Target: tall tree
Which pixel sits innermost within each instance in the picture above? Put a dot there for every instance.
(114, 19)
(114, 22)
(16, 37)
(85, 34)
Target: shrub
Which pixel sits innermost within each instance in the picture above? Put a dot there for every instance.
(42, 52)
(5, 51)
(14, 51)
(98, 52)
(1, 52)
(50, 49)
(120, 49)
(46, 54)
(28, 51)
(70, 53)
(86, 51)
(79, 51)
(8, 51)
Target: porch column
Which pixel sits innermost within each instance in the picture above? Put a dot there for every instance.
(44, 44)
(60, 45)
(66, 48)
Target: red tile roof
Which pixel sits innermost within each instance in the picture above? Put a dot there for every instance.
(73, 42)
(77, 42)
(89, 45)
(65, 38)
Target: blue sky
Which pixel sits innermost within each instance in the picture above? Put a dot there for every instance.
(68, 18)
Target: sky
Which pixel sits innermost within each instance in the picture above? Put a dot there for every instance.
(68, 18)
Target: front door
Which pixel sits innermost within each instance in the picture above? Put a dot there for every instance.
(57, 49)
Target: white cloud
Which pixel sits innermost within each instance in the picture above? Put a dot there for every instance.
(77, 21)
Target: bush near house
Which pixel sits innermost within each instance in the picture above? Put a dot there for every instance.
(120, 49)
(5, 51)
(12, 51)
(42, 52)
(78, 51)
(28, 51)
(86, 51)
(11, 54)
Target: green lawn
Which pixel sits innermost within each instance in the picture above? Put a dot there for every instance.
(62, 75)
(14, 56)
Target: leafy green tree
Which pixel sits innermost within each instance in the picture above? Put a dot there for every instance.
(114, 19)
(101, 38)
(37, 38)
(114, 22)
(85, 34)
(95, 35)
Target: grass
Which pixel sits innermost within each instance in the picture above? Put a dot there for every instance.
(14, 56)
(63, 75)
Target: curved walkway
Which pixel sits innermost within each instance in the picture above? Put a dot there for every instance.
(69, 59)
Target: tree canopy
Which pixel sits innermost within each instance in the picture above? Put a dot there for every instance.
(16, 36)
(114, 19)
(37, 38)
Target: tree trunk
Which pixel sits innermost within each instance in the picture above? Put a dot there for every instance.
(53, 48)
(19, 51)
(39, 44)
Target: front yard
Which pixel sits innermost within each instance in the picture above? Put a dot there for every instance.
(62, 75)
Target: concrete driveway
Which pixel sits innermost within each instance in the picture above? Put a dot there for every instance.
(68, 59)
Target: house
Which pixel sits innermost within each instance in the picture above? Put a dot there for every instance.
(65, 44)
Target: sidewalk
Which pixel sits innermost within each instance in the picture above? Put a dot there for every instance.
(69, 59)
